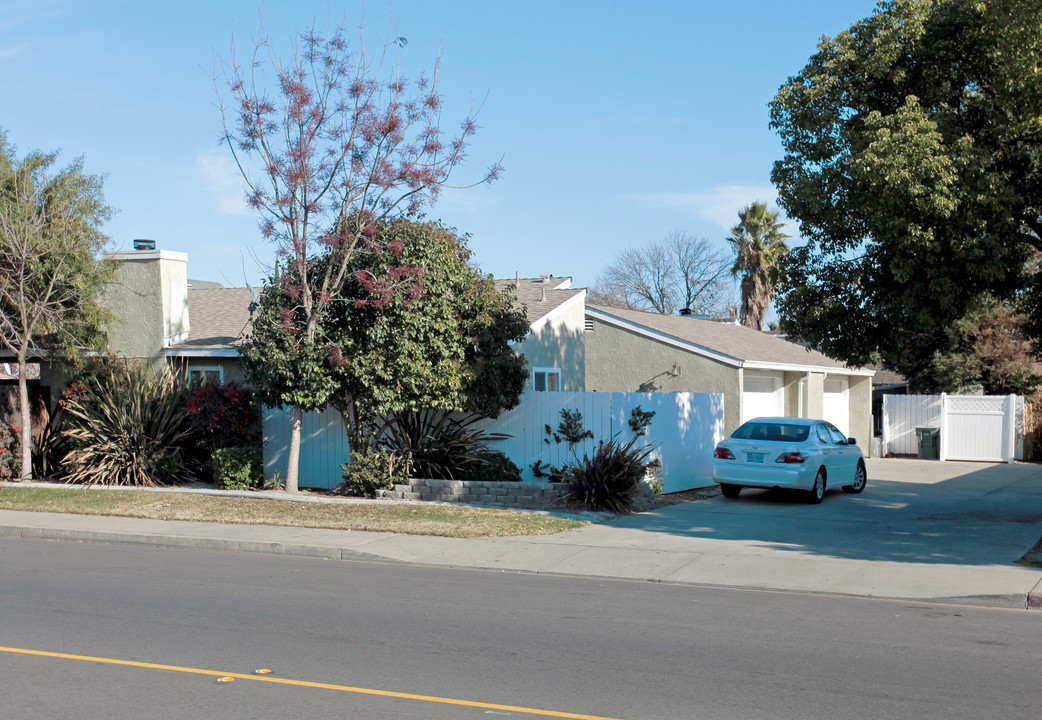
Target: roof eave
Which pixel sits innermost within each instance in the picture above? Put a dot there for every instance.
(663, 337)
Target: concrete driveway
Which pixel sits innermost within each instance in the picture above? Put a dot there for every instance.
(922, 529)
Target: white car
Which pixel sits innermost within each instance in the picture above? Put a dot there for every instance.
(797, 453)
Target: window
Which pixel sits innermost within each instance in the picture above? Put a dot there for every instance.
(546, 379)
(205, 375)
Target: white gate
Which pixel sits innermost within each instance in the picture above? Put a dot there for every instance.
(978, 428)
(972, 427)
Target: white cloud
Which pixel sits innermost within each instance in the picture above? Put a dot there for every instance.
(13, 50)
(719, 204)
(221, 179)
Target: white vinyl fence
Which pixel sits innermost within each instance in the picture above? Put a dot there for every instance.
(972, 427)
(684, 431)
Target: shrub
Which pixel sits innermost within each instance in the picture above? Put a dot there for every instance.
(238, 468)
(10, 452)
(129, 428)
(434, 444)
(610, 479)
(52, 447)
(223, 416)
(375, 470)
(491, 466)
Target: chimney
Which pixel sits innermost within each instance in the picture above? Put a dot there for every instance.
(685, 311)
(545, 278)
(148, 300)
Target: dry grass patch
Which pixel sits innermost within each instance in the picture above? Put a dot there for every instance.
(410, 519)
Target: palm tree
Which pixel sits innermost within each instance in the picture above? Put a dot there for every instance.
(760, 248)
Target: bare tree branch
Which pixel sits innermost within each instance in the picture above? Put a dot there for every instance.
(682, 272)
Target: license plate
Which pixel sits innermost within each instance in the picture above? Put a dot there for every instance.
(755, 457)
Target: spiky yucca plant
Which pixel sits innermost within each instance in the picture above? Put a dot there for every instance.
(611, 478)
(435, 444)
(129, 429)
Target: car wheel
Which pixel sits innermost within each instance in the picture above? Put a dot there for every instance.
(730, 491)
(860, 480)
(817, 493)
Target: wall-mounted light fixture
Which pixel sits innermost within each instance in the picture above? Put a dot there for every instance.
(675, 372)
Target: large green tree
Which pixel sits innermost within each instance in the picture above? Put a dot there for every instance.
(912, 144)
(760, 254)
(443, 342)
(51, 275)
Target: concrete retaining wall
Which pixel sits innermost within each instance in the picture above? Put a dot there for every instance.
(525, 495)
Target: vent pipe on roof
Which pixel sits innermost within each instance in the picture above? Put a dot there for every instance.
(542, 298)
(141, 244)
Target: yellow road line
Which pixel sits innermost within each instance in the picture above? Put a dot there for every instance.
(305, 683)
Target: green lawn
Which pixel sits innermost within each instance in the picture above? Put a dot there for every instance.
(411, 518)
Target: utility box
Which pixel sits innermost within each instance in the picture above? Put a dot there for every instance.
(928, 441)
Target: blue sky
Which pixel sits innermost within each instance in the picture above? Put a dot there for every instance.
(616, 122)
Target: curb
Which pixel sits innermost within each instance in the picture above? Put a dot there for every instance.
(185, 542)
(342, 553)
(1034, 601)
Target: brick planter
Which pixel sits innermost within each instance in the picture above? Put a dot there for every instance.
(524, 495)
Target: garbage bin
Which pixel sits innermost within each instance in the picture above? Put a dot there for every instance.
(928, 441)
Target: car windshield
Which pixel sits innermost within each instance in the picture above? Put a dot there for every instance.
(772, 431)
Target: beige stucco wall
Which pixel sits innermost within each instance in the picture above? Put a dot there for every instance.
(619, 360)
(795, 401)
(814, 394)
(148, 301)
(557, 342)
(860, 393)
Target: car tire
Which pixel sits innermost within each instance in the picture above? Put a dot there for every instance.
(817, 493)
(860, 480)
(730, 491)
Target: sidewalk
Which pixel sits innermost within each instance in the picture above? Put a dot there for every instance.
(666, 545)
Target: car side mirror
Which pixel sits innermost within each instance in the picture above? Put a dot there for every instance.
(851, 441)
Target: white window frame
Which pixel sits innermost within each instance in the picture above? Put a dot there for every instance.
(546, 373)
(200, 369)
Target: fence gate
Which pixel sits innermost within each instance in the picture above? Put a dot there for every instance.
(973, 427)
(978, 427)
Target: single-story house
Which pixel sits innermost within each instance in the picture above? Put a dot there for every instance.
(158, 313)
(758, 373)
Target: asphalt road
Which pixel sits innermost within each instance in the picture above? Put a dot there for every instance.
(334, 632)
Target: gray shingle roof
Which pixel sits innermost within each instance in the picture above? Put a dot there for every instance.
(216, 317)
(537, 297)
(735, 341)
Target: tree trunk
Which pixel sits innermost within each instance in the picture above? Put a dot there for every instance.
(293, 461)
(26, 414)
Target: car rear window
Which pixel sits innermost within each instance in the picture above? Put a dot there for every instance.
(772, 432)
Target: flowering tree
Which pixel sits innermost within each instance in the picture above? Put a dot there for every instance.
(341, 143)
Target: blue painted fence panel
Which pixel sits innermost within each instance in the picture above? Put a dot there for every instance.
(684, 431)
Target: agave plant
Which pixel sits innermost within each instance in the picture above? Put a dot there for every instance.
(129, 429)
(51, 447)
(611, 478)
(435, 444)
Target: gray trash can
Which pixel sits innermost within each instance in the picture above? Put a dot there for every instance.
(928, 441)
